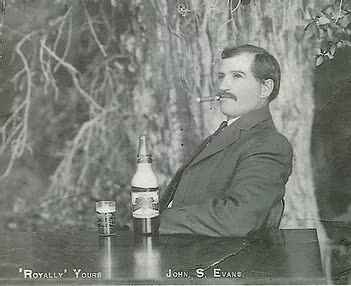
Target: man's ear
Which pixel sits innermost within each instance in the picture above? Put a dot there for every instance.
(267, 88)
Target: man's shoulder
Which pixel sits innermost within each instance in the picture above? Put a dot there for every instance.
(265, 133)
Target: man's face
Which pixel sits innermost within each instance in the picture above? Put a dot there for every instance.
(244, 90)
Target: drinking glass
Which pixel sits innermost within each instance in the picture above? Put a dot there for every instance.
(106, 218)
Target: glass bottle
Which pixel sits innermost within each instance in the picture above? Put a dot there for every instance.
(144, 192)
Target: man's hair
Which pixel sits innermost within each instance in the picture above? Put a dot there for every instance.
(264, 65)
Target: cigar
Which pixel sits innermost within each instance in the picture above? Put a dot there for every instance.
(217, 97)
(208, 98)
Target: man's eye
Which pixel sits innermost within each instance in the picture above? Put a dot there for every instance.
(220, 77)
(236, 75)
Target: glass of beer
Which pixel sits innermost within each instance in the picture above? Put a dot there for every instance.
(106, 218)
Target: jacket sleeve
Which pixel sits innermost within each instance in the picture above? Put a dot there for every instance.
(258, 182)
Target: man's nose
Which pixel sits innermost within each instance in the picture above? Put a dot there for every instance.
(224, 86)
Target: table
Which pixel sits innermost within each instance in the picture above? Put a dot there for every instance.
(274, 257)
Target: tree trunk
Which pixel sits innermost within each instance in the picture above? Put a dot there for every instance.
(276, 27)
(179, 63)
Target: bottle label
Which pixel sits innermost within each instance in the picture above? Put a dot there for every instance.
(145, 204)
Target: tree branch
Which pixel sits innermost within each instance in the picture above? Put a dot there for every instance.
(63, 21)
(73, 71)
(63, 173)
(93, 33)
(68, 45)
(339, 14)
(236, 7)
(20, 131)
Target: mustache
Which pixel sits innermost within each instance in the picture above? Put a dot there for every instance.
(227, 94)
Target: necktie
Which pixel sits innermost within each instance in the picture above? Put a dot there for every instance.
(223, 125)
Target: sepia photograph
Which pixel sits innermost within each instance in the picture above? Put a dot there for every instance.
(175, 142)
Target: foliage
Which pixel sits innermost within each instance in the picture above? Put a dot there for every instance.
(331, 27)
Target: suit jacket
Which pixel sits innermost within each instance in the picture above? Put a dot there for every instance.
(235, 185)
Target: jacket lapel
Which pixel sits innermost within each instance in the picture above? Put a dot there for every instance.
(232, 133)
(228, 136)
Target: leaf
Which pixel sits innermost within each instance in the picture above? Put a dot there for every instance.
(301, 13)
(345, 21)
(309, 30)
(323, 20)
(328, 10)
(339, 44)
(322, 33)
(346, 43)
(317, 51)
(319, 14)
(335, 6)
(308, 26)
(300, 32)
(333, 25)
(305, 22)
(343, 43)
(316, 31)
(332, 49)
(330, 56)
(330, 32)
(319, 60)
(311, 12)
(324, 46)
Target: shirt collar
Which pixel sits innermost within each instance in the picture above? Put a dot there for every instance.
(233, 120)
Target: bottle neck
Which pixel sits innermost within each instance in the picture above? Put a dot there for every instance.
(144, 159)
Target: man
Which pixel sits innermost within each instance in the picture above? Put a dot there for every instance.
(235, 182)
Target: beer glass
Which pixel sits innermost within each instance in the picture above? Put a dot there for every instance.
(106, 218)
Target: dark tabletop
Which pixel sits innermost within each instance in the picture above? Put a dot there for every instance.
(276, 257)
